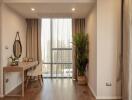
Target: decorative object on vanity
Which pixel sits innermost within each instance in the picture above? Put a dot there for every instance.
(30, 59)
(13, 61)
(17, 47)
(27, 59)
(80, 41)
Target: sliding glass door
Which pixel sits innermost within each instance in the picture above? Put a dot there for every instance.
(57, 47)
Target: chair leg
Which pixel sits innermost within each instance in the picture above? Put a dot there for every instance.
(27, 81)
(39, 81)
(42, 78)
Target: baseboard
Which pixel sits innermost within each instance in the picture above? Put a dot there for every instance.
(109, 98)
(102, 97)
(91, 89)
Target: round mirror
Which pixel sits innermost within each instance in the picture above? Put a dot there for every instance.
(17, 48)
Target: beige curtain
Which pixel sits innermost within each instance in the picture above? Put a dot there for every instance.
(78, 26)
(127, 52)
(34, 39)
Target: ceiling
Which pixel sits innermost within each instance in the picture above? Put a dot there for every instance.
(43, 8)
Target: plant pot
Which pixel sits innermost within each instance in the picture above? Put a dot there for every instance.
(81, 80)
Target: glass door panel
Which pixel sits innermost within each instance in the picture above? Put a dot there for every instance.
(57, 47)
(62, 56)
(62, 70)
(46, 40)
(46, 69)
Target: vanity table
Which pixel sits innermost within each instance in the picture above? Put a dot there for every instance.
(21, 67)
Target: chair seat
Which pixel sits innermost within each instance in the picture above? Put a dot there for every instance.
(32, 73)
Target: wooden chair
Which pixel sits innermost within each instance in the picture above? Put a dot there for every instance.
(35, 74)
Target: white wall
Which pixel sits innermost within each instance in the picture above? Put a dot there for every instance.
(103, 26)
(11, 23)
(91, 29)
(108, 37)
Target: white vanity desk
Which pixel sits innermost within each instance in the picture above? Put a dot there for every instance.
(21, 67)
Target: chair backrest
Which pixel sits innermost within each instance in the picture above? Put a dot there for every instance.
(38, 69)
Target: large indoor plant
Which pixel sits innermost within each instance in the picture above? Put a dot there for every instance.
(80, 41)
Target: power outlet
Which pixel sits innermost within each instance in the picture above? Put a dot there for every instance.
(108, 83)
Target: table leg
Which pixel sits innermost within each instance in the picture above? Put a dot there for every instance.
(23, 83)
(3, 83)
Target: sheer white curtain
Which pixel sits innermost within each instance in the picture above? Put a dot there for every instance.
(46, 40)
(62, 33)
(61, 40)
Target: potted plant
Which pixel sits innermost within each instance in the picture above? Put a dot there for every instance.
(80, 41)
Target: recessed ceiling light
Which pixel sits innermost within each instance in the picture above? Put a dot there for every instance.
(32, 9)
(73, 9)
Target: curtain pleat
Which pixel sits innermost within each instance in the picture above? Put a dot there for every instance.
(33, 39)
(78, 26)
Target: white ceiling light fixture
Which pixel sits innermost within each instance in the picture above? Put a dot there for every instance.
(32, 9)
(73, 9)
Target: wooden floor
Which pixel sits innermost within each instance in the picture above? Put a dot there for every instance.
(55, 89)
